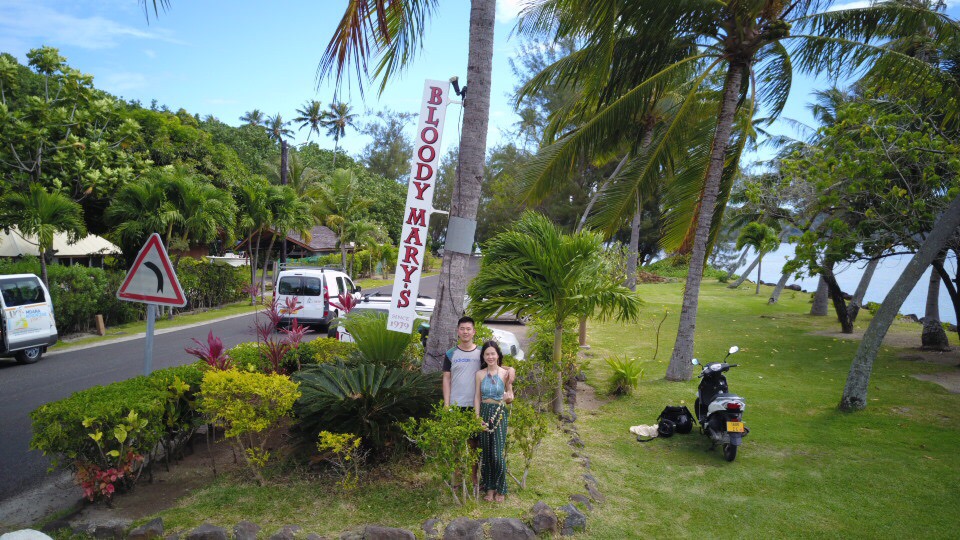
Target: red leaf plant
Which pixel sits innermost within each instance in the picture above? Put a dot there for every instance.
(345, 302)
(213, 353)
(102, 483)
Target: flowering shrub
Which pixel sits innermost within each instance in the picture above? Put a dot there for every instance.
(343, 452)
(443, 438)
(247, 404)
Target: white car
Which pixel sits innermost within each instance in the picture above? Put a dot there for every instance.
(509, 344)
(314, 289)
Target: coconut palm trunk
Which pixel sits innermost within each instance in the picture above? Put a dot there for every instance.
(933, 336)
(855, 392)
(951, 289)
(820, 299)
(634, 250)
(558, 360)
(778, 289)
(856, 302)
(746, 274)
(680, 368)
(466, 189)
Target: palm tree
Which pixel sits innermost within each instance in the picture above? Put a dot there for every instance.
(143, 207)
(391, 32)
(744, 44)
(253, 118)
(287, 213)
(338, 204)
(312, 115)
(253, 216)
(363, 232)
(336, 120)
(535, 269)
(761, 238)
(38, 213)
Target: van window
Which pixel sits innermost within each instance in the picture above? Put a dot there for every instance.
(300, 286)
(341, 286)
(21, 291)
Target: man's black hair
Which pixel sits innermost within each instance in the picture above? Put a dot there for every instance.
(466, 319)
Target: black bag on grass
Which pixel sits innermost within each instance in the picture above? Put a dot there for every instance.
(674, 419)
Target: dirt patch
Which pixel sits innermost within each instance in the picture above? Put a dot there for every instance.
(907, 342)
(195, 470)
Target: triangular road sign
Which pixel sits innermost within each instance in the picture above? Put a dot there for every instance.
(151, 279)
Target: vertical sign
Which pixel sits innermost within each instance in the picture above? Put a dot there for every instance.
(416, 214)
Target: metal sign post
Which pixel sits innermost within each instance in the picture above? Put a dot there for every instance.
(151, 280)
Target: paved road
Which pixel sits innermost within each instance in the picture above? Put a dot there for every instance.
(23, 388)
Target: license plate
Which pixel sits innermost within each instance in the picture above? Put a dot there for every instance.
(735, 427)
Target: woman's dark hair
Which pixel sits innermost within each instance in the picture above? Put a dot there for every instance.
(496, 346)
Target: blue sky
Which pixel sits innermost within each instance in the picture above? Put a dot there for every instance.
(224, 58)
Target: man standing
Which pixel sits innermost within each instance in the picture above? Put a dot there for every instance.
(460, 366)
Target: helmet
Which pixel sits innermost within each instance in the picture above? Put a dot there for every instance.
(666, 428)
(684, 424)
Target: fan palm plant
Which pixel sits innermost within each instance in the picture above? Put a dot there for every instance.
(534, 269)
(41, 214)
(338, 203)
(761, 238)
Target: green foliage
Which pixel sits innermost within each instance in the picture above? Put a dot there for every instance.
(377, 345)
(247, 404)
(106, 432)
(443, 437)
(249, 355)
(678, 266)
(627, 373)
(526, 431)
(538, 372)
(209, 285)
(344, 454)
(366, 399)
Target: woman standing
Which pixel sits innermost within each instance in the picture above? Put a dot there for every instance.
(494, 383)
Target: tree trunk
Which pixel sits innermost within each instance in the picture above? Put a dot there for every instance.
(263, 273)
(746, 273)
(558, 362)
(633, 250)
(951, 289)
(583, 331)
(43, 266)
(853, 308)
(466, 189)
(839, 304)
(680, 368)
(855, 392)
(775, 295)
(283, 181)
(343, 255)
(759, 267)
(740, 261)
(600, 190)
(820, 299)
(933, 336)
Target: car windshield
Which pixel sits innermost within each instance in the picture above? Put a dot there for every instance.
(300, 286)
(21, 291)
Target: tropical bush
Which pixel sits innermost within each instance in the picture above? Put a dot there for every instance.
(367, 400)
(443, 437)
(626, 375)
(536, 376)
(209, 285)
(249, 356)
(106, 434)
(377, 345)
(678, 266)
(526, 430)
(247, 404)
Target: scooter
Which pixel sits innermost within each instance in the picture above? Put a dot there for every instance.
(720, 413)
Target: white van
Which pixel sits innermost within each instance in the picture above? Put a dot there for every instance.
(314, 288)
(26, 318)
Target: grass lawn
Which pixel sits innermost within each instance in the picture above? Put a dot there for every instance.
(806, 470)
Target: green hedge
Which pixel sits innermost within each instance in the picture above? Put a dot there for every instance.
(679, 266)
(90, 430)
(319, 351)
(209, 285)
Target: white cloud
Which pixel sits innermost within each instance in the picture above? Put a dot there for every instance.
(150, 53)
(28, 20)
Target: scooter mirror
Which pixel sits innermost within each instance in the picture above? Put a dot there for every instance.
(695, 362)
(734, 349)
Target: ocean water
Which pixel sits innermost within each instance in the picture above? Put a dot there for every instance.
(848, 276)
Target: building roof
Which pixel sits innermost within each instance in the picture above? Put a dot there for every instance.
(321, 239)
(14, 244)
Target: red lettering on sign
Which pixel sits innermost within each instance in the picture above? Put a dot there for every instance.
(404, 299)
(430, 119)
(421, 187)
(429, 132)
(410, 255)
(423, 150)
(414, 237)
(436, 95)
(424, 171)
(418, 216)
(408, 271)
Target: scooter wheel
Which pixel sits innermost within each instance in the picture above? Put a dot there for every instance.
(730, 452)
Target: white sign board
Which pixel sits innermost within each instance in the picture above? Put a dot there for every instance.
(416, 215)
